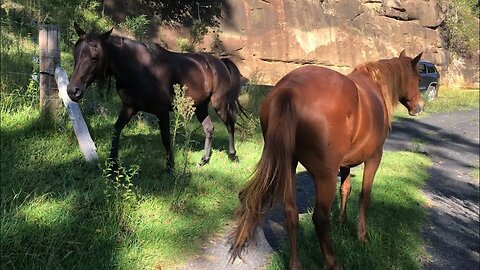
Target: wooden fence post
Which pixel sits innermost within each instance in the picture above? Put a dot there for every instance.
(49, 49)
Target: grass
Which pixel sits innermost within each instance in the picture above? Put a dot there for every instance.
(476, 173)
(394, 221)
(452, 99)
(448, 100)
(57, 212)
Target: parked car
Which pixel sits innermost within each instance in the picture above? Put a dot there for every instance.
(429, 79)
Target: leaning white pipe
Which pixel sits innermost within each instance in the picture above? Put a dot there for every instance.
(79, 126)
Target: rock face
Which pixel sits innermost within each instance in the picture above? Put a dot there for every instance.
(272, 37)
(276, 36)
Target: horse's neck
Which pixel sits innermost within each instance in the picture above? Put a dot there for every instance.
(119, 50)
(362, 79)
(365, 83)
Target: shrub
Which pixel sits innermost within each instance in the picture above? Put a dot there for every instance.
(461, 25)
(136, 26)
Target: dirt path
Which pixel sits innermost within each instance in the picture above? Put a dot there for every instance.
(452, 142)
(452, 230)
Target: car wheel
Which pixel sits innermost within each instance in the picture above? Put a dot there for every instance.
(432, 92)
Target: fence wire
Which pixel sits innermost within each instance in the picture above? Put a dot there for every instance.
(20, 63)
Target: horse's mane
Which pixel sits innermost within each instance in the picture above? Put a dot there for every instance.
(391, 75)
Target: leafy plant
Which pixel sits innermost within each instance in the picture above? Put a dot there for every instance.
(184, 45)
(198, 32)
(136, 26)
(217, 46)
(461, 25)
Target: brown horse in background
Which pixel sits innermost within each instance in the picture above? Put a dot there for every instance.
(145, 74)
(328, 122)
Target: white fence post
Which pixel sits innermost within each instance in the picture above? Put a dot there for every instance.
(79, 126)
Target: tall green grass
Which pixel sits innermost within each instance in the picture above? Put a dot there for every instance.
(57, 210)
(454, 99)
(448, 100)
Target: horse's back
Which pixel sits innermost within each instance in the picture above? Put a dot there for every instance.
(320, 89)
(325, 103)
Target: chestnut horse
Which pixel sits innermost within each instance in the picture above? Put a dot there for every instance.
(145, 74)
(328, 122)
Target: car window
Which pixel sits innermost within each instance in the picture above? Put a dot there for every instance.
(422, 69)
(430, 69)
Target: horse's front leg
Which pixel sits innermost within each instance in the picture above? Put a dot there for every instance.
(345, 188)
(126, 113)
(202, 116)
(369, 171)
(164, 124)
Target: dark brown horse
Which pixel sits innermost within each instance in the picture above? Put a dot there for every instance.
(328, 122)
(145, 74)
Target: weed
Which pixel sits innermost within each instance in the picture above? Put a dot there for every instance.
(120, 192)
(417, 145)
(184, 111)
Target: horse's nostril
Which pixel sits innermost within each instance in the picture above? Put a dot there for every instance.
(77, 92)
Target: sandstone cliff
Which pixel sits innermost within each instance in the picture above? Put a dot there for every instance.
(272, 37)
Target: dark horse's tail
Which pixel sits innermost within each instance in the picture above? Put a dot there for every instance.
(273, 176)
(233, 106)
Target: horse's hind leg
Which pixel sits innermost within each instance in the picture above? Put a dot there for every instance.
(229, 119)
(369, 171)
(325, 185)
(124, 117)
(164, 125)
(202, 115)
(291, 218)
(344, 191)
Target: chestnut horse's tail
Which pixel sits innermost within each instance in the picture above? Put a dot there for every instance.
(273, 175)
(232, 105)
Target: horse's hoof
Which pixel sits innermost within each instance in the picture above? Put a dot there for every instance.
(169, 167)
(295, 265)
(203, 162)
(342, 219)
(336, 267)
(363, 239)
(234, 158)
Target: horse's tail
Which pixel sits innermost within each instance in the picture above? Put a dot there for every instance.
(273, 176)
(233, 106)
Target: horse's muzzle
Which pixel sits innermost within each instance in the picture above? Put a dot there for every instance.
(417, 110)
(75, 93)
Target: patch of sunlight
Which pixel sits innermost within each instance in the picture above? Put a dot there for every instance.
(144, 254)
(19, 119)
(48, 212)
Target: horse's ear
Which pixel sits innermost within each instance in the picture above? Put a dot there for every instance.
(79, 30)
(402, 54)
(416, 59)
(106, 35)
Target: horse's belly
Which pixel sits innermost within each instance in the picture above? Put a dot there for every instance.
(361, 152)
